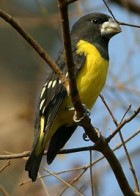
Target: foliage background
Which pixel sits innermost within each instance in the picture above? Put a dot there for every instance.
(22, 73)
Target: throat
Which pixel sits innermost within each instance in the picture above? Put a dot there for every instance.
(102, 46)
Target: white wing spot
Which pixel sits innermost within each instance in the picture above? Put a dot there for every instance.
(59, 81)
(54, 83)
(49, 84)
(43, 110)
(66, 74)
(46, 84)
(42, 92)
(41, 104)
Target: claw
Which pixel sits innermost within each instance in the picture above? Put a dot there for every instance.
(71, 109)
(85, 137)
(86, 112)
(86, 109)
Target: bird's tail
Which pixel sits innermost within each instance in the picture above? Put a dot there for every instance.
(32, 164)
(58, 140)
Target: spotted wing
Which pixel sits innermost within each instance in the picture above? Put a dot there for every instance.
(53, 92)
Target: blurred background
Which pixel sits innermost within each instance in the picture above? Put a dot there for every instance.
(22, 73)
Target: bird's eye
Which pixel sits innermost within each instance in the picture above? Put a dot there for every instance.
(95, 20)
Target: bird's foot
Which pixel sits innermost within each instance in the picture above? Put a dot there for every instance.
(86, 138)
(86, 112)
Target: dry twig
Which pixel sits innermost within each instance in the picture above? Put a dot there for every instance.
(120, 23)
(68, 184)
(6, 165)
(123, 142)
(41, 52)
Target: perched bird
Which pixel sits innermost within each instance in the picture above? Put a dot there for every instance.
(54, 120)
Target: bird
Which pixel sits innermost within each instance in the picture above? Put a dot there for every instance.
(54, 123)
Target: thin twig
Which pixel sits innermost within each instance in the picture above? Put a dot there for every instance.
(123, 142)
(132, 6)
(69, 185)
(91, 176)
(120, 23)
(27, 153)
(128, 24)
(124, 122)
(15, 156)
(129, 107)
(57, 173)
(6, 165)
(109, 110)
(3, 191)
(130, 163)
(128, 156)
(81, 149)
(85, 167)
(43, 184)
(110, 11)
(116, 148)
(74, 180)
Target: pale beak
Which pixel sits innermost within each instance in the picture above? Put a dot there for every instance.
(110, 28)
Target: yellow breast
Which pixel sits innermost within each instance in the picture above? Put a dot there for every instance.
(90, 81)
(92, 76)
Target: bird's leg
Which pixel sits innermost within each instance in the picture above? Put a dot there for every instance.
(78, 120)
(86, 112)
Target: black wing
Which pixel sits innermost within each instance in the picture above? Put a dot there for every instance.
(53, 92)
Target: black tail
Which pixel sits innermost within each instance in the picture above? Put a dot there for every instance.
(58, 140)
(32, 165)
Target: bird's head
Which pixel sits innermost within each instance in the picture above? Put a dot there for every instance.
(95, 26)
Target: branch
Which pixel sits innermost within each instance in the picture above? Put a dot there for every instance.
(120, 23)
(85, 167)
(14, 156)
(128, 24)
(130, 5)
(122, 140)
(66, 183)
(91, 174)
(74, 180)
(6, 165)
(44, 55)
(123, 123)
(73, 92)
(64, 151)
(3, 191)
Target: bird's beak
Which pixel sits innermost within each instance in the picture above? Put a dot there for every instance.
(110, 28)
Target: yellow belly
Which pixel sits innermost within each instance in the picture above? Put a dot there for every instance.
(90, 81)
